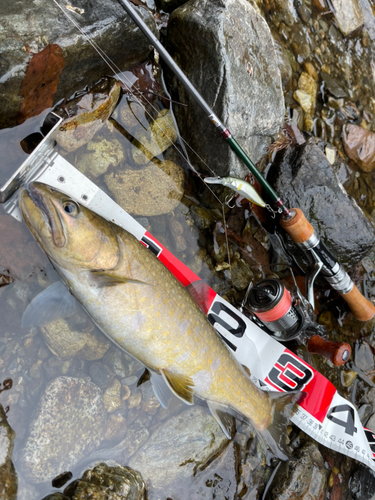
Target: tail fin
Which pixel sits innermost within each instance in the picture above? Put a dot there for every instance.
(275, 436)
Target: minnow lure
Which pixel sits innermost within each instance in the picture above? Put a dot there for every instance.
(239, 186)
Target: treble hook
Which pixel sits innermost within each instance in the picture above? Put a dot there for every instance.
(270, 209)
(227, 202)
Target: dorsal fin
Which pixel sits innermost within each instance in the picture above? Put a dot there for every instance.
(180, 385)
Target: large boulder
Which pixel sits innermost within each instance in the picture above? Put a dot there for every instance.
(26, 28)
(225, 47)
(303, 178)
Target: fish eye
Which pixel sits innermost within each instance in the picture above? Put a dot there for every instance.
(71, 208)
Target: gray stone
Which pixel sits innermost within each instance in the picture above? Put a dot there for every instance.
(37, 23)
(69, 423)
(348, 15)
(8, 477)
(225, 47)
(364, 358)
(304, 477)
(303, 178)
(182, 444)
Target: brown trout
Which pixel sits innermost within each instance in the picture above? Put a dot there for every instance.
(142, 307)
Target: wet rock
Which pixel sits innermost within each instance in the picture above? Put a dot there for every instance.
(348, 15)
(112, 397)
(183, 443)
(303, 177)
(160, 136)
(101, 155)
(333, 86)
(67, 342)
(116, 427)
(362, 484)
(305, 95)
(226, 49)
(104, 482)
(359, 145)
(152, 190)
(86, 114)
(305, 477)
(282, 11)
(69, 423)
(241, 274)
(8, 476)
(100, 374)
(364, 358)
(35, 23)
(169, 5)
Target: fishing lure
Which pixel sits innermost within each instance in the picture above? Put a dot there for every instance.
(240, 187)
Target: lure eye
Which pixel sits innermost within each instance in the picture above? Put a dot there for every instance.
(71, 208)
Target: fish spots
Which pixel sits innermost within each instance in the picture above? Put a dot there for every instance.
(166, 301)
(158, 314)
(171, 312)
(216, 363)
(202, 380)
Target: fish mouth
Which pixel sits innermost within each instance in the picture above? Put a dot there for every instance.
(50, 213)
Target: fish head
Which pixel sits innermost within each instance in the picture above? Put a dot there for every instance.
(70, 234)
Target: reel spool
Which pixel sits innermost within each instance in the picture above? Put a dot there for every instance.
(278, 311)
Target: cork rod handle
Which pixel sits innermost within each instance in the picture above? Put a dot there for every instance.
(300, 230)
(337, 352)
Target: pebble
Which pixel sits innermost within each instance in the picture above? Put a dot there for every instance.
(359, 145)
(112, 397)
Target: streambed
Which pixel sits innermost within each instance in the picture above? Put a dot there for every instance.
(92, 384)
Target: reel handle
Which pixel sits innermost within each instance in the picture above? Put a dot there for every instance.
(337, 352)
(300, 230)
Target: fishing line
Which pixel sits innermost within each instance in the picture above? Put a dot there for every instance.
(117, 72)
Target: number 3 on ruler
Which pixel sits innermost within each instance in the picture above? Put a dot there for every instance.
(348, 424)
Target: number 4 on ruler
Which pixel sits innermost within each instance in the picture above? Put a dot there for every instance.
(348, 424)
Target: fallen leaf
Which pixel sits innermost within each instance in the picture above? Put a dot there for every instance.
(40, 83)
(5, 279)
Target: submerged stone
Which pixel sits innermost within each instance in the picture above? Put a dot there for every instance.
(69, 423)
(86, 114)
(226, 49)
(359, 145)
(67, 342)
(161, 135)
(8, 476)
(183, 443)
(104, 482)
(303, 178)
(101, 154)
(152, 190)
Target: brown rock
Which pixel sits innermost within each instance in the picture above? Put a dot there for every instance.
(152, 190)
(8, 477)
(359, 145)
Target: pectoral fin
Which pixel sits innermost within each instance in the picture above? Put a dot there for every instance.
(222, 417)
(180, 385)
(110, 277)
(55, 302)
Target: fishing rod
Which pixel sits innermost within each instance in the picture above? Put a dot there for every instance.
(292, 220)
